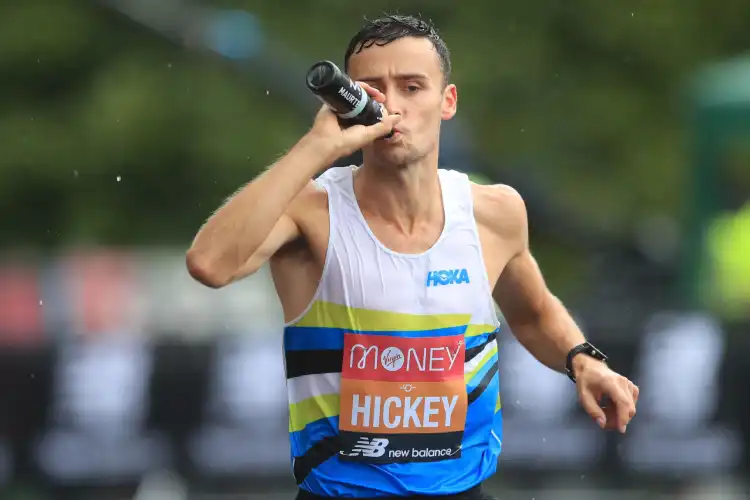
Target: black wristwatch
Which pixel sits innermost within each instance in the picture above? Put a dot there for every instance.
(587, 349)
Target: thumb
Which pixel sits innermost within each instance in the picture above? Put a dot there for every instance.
(588, 401)
(391, 120)
(383, 127)
(359, 135)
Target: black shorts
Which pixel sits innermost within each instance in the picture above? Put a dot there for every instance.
(474, 493)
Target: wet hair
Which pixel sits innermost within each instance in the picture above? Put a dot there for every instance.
(390, 28)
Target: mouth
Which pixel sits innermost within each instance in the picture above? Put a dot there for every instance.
(395, 134)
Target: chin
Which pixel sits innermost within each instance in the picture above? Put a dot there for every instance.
(393, 159)
(396, 153)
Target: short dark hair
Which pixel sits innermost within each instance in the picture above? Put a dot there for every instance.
(390, 28)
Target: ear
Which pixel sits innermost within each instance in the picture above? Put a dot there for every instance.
(450, 102)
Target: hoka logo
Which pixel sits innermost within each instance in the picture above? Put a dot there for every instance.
(447, 277)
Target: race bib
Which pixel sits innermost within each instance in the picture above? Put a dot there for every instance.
(402, 399)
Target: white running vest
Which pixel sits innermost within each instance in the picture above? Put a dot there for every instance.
(395, 359)
(360, 272)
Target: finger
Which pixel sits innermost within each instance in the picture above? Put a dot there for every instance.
(612, 417)
(631, 390)
(635, 391)
(380, 129)
(589, 404)
(624, 406)
(391, 120)
(383, 127)
(372, 92)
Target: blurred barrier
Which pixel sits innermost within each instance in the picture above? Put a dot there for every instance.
(140, 370)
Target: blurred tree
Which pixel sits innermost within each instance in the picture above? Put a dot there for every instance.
(111, 135)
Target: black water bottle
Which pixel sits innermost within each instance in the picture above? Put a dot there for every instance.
(347, 100)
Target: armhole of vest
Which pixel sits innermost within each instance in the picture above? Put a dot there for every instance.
(329, 251)
(486, 278)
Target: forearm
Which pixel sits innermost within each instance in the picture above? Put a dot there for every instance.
(234, 232)
(550, 334)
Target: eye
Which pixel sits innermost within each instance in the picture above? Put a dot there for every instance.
(412, 88)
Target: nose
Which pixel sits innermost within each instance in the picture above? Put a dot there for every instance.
(393, 104)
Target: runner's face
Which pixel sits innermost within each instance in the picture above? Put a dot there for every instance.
(409, 73)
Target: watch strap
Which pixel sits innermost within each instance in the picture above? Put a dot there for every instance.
(586, 348)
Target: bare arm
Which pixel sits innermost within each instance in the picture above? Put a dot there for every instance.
(540, 321)
(255, 222)
(537, 318)
(243, 234)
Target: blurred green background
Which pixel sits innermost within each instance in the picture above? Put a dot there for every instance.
(111, 134)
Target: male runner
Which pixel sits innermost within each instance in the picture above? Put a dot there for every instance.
(387, 273)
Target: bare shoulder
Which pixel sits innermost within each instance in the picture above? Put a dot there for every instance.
(312, 197)
(309, 213)
(500, 209)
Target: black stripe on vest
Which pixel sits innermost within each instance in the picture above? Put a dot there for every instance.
(313, 362)
(479, 389)
(473, 351)
(319, 452)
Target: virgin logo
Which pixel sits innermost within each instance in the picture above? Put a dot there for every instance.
(392, 359)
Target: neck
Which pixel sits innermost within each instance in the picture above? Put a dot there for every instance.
(403, 196)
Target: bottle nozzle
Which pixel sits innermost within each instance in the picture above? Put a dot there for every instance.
(321, 75)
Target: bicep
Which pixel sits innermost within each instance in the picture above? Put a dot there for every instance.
(520, 291)
(287, 229)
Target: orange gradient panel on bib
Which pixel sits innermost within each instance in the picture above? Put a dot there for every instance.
(370, 406)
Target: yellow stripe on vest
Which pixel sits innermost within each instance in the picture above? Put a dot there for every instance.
(329, 315)
(311, 409)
